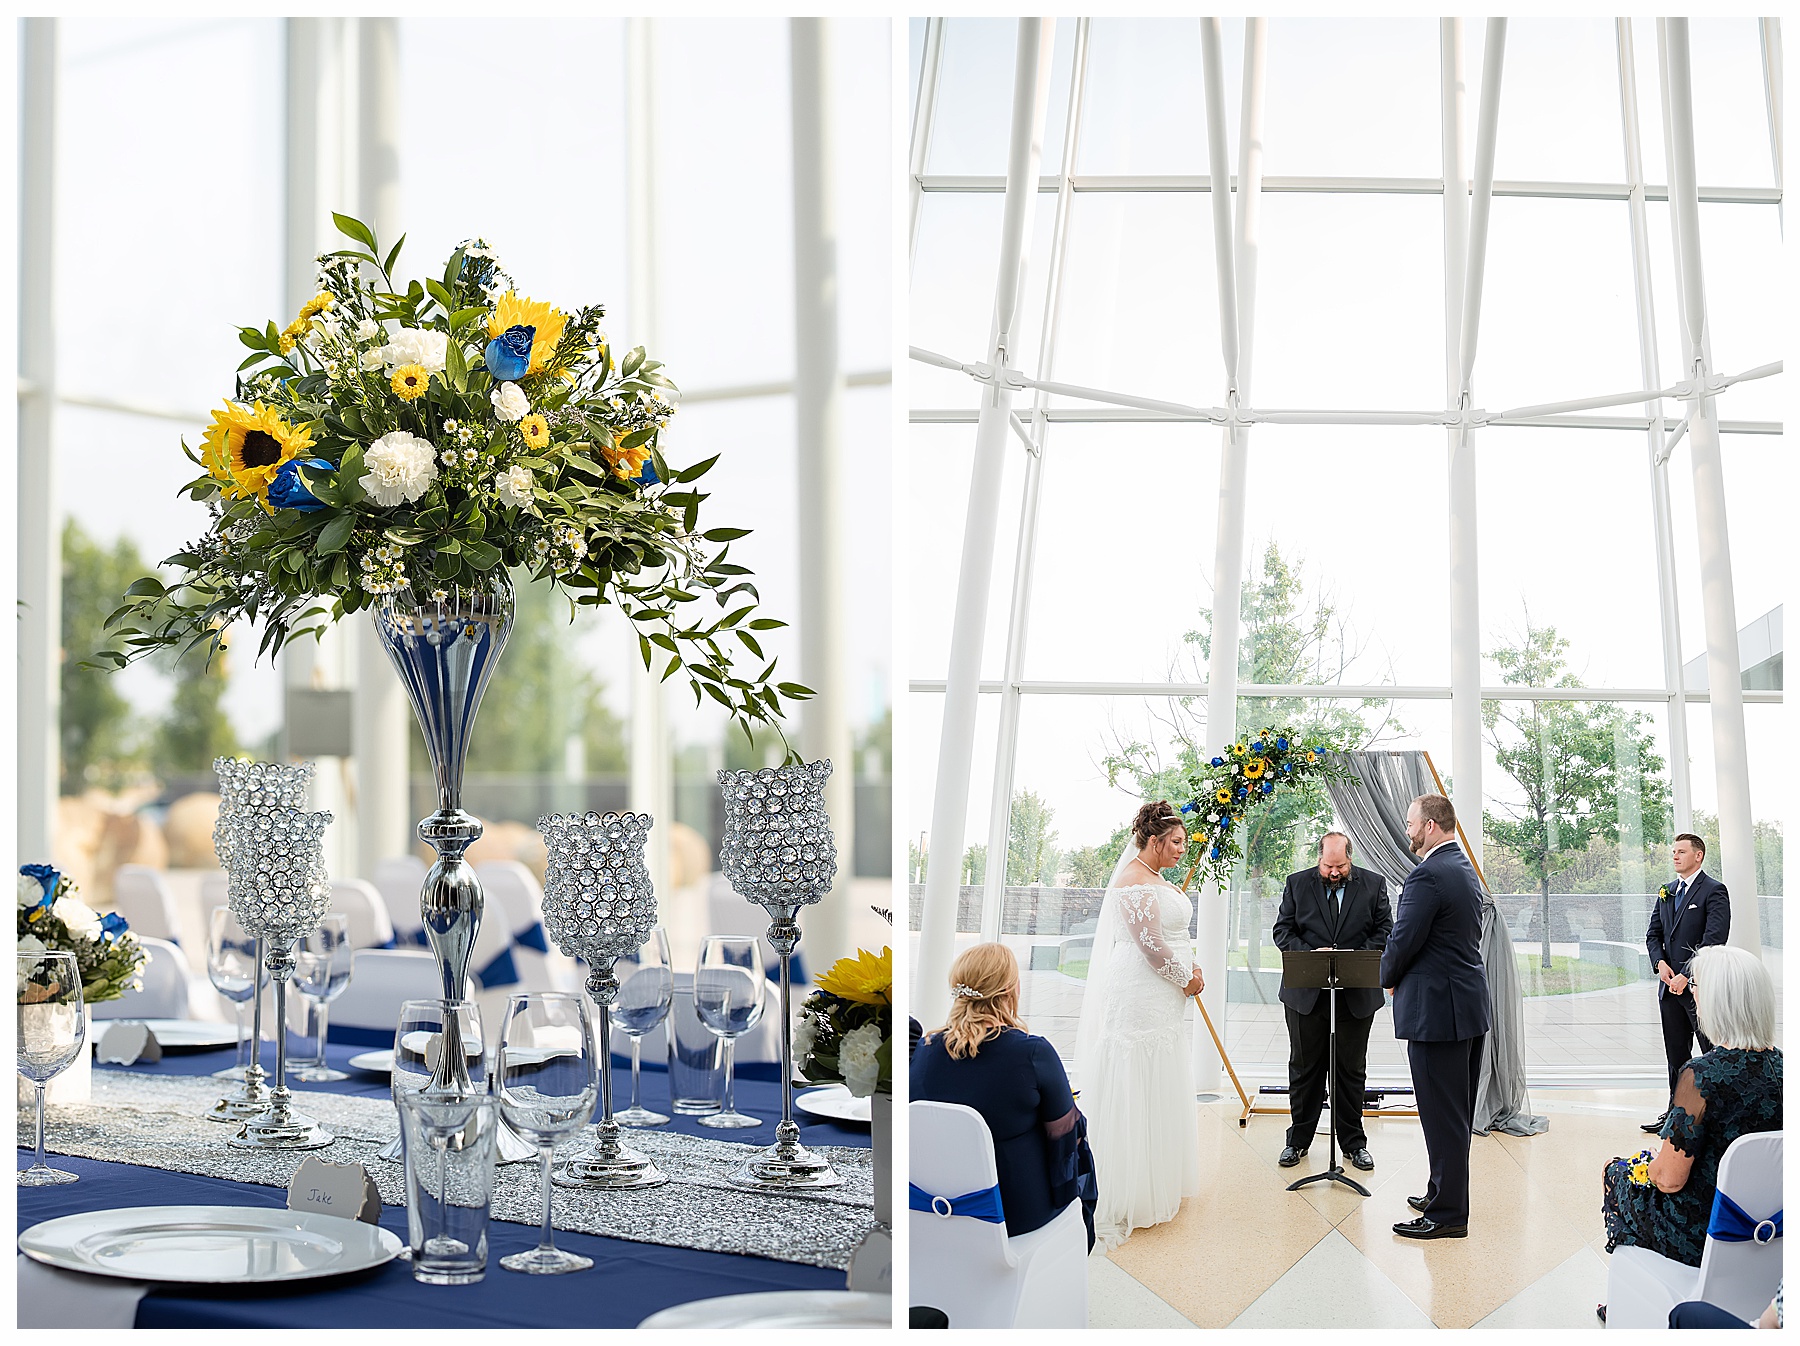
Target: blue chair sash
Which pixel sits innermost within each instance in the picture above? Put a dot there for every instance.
(982, 1205)
(533, 937)
(501, 972)
(1731, 1223)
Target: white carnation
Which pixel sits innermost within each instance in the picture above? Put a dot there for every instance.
(806, 1037)
(513, 486)
(368, 329)
(509, 402)
(32, 944)
(417, 346)
(400, 466)
(370, 361)
(31, 892)
(856, 1059)
(82, 920)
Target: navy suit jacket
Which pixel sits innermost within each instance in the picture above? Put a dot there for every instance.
(1703, 920)
(1304, 924)
(1433, 955)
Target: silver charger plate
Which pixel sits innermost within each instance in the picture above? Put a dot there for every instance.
(181, 1033)
(834, 1101)
(208, 1245)
(782, 1308)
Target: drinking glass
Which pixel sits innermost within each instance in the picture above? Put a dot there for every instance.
(728, 996)
(449, 1184)
(321, 974)
(546, 1076)
(52, 1033)
(237, 974)
(646, 990)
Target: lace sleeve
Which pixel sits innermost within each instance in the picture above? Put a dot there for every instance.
(1141, 911)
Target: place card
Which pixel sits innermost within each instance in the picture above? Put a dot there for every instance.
(872, 1264)
(126, 1042)
(345, 1190)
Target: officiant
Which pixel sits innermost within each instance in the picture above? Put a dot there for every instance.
(1335, 905)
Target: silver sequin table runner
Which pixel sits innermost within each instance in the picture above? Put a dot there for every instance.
(155, 1121)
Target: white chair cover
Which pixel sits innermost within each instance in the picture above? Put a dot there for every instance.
(515, 902)
(969, 1268)
(1642, 1286)
(370, 927)
(759, 1044)
(165, 990)
(382, 980)
(144, 900)
(399, 881)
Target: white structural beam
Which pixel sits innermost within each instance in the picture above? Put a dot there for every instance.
(652, 774)
(819, 433)
(950, 801)
(924, 117)
(380, 726)
(1340, 691)
(993, 897)
(1718, 603)
(1385, 186)
(1662, 519)
(39, 625)
(1770, 32)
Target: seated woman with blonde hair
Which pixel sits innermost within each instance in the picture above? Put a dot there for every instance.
(984, 1059)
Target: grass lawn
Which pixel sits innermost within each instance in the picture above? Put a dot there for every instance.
(1566, 975)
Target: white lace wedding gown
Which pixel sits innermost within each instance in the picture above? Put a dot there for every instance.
(1136, 1061)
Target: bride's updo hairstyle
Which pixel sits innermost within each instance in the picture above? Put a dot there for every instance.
(1152, 821)
(984, 998)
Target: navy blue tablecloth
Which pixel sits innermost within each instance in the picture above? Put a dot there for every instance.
(627, 1283)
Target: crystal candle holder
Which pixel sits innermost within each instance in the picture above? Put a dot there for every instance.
(598, 906)
(778, 852)
(277, 889)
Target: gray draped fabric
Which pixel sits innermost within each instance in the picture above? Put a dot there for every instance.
(1373, 811)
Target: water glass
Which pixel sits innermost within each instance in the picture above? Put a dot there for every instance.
(728, 997)
(646, 990)
(449, 1184)
(696, 1059)
(52, 1034)
(321, 975)
(418, 1044)
(237, 974)
(546, 1074)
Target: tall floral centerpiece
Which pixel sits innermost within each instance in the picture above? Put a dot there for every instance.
(1230, 794)
(417, 447)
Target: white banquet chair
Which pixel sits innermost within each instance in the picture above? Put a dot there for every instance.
(1741, 1278)
(144, 900)
(370, 927)
(760, 1044)
(969, 1268)
(164, 994)
(399, 881)
(516, 901)
(382, 980)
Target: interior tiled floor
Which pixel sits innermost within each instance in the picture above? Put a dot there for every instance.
(1248, 1253)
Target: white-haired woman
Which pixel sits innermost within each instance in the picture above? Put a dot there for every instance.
(1730, 1091)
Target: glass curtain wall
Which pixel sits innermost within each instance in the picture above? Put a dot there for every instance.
(1346, 526)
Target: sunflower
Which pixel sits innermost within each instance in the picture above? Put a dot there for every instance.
(1222, 795)
(313, 307)
(1254, 768)
(410, 382)
(535, 429)
(513, 311)
(1237, 749)
(867, 978)
(246, 446)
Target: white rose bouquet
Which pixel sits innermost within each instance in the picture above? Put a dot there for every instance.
(53, 920)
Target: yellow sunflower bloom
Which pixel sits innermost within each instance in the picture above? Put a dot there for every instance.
(1222, 795)
(246, 446)
(410, 382)
(1238, 750)
(867, 978)
(313, 307)
(536, 430)
(1254, 768)
(515, 311)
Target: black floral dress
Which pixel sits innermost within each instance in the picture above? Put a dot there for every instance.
(1720, 1096)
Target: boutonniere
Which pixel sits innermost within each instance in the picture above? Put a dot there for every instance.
(1666, 891)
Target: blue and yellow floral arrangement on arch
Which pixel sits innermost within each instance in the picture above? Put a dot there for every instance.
(1229, 793)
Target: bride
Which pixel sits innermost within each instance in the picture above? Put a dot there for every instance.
(1133, 1051)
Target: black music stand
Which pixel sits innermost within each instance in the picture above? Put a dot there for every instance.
(1332, 970)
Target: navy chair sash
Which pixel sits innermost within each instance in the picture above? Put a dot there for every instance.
(982, 1205)
(533, 938)
(1731, 1223)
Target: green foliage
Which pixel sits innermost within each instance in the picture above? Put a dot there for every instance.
(1031, 854)
(1578, 766)
(974, 866)
(99, 739)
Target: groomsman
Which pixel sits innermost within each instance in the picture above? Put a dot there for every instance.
(1334, 905)
(1432, 966)
(1690, 913)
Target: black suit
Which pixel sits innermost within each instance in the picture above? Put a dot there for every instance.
(1307, 920)
(1702, 917)
(1441, 1006)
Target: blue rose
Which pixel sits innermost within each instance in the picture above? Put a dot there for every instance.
(1242, 792)
(1257, 747)
(646, 475)
(508, 355)
(287, 491)
(48, 877)
(1187, 808)
(1267, 786)
(1215, 852)
(112, 925)
(1281, 745)
(1218, 761)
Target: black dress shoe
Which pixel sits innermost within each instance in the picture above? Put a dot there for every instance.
(1422, 1228)
(1657, 1125)
(1418, 1203)
(1362, 1159)
(1290, 1156)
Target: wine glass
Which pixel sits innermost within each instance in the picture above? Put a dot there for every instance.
(237, 974)
(52, 1033)
(548, 1080)
(646, 990)
(728, 997)
(321, 974)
